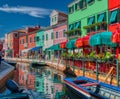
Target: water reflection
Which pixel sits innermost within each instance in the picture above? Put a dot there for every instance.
(45, 80)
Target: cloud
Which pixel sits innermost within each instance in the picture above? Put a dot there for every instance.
(31, 11)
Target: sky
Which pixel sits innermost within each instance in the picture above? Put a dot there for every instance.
(17, 14)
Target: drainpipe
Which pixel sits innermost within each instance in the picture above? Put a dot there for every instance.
(117, 71)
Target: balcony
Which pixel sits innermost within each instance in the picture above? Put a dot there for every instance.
(74, 33)
(96, 27)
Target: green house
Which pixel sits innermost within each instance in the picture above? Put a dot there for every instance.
(85, 16)
(39, 40)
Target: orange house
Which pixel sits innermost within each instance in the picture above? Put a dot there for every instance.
(26, 40)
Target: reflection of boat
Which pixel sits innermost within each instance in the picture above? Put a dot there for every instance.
(69, 72)
(35, 64)
(11, 63)
(18, 93)
(91, 89)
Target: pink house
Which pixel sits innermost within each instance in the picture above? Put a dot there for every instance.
(59, 33)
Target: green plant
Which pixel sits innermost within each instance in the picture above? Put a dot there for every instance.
(107, 56)
(86, 27)
(64, 54)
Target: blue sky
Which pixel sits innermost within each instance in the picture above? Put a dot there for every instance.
(15, 14)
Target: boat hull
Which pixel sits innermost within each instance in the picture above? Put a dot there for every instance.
(91, 89)
(78, 91)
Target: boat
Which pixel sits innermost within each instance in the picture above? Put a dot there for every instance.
(16, 92)
(36, 64)
(92, 89)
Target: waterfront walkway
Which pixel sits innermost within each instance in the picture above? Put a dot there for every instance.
(54, 62)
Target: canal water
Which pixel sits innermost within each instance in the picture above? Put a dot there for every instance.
(45, 80)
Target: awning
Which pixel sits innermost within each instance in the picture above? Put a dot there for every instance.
(35, 48)
(113, 15)
(80, 42)
(25, 50)
(116, 36)
(103, 38)
(63, 44)
(101, 17)
(85, 40)
(70, 44)
(8, 50)
(54, 47)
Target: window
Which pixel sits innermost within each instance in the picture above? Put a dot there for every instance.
(114, 16)
(52, 35)
(91, 20)
(64, 35)
(90, 1)
(77, 6)
(52, 19)
(46, 37)
(77, 24)
(71, 9)
(83, 4)
(101, 17)
(37, 38)
(55, 18)
(56, 34)
(30, 39)
(23, 41)
(43, 37)
(15, 35)
(71, 26)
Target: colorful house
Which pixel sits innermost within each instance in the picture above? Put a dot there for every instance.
(26, 40)
(14, 42)
(59, 33)
(114, 16)
(84, 17)
(48, 40)
(39, 40)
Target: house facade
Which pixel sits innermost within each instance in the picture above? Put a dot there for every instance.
(59, 33)
(114, 16)
(39, 39)
(85, 15)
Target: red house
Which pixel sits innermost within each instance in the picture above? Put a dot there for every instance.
(114, 16)
(26, 41)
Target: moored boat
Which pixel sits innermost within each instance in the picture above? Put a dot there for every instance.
(91, 89)
(35, 64)
(16, 92)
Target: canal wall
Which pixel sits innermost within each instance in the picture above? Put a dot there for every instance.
(56, 63)
(6, 72)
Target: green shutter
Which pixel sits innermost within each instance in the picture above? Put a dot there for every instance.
(90, 20)
(101, 17)
(77, 24)
(113, 15)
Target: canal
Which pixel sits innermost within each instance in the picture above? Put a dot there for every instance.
(45, 80)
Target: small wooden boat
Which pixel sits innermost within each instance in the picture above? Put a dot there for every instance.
(91, 89)
(15, 92)
(36, 64)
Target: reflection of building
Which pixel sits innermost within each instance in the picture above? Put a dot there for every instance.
(30, 81)
(58, 87)
(39, 84)
(48, 84)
